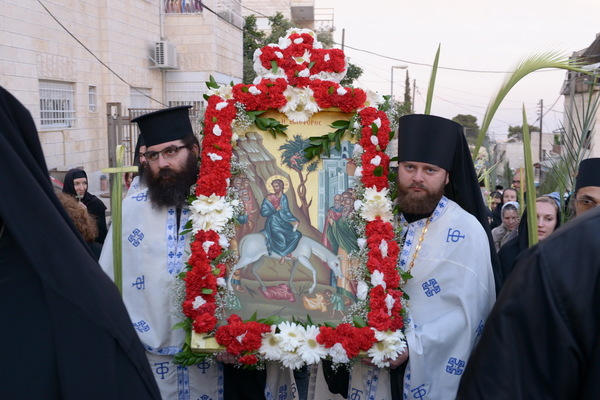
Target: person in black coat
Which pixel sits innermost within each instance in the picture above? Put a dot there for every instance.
(541, 338)
(65, 331)
(76, 185)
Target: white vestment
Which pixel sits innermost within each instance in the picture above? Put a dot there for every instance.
(153, 254)
(451, 293)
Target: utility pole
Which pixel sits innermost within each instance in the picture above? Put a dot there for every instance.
(413, 97)
(541, 104)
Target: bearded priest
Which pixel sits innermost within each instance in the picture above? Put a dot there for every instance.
(447, 248)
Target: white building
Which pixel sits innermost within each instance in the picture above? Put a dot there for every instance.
(65, 60)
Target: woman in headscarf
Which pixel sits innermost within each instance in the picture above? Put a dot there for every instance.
(548, 220)
(510, 221)
(76, 185)
(508, 194)
(65, 331)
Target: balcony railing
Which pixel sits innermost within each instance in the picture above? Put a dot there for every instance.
(183, 6)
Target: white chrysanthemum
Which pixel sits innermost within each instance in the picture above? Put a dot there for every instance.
(341, 91)
(373, 209)
(310, 350)
(224, 91)
(358, 150)
(389, 303)
(292, 360)
(198, 302)
(217, 131)
(374, 140)
(269, 347)
(327, 57)
(389, 346)
(303, 58)
(284, 42)
(374, 99)
(254, 90)
(221, 282)
(377, 278)
(376, 160)
(290, 335)
(221, 105)
(301, 104)
(223, 241)
(362, 289)
(383, 247)
(206, 245)
(338, 354)
(357, 204)
(377, 122)
(214, 156)
(362, 243)
(372, 194)
(305, 73)
(210, 213)
(358, 172)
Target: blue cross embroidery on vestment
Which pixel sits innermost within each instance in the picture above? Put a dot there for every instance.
(136, 237)
(141, 326)
(431, 287)
(455, 366)
(479, 330)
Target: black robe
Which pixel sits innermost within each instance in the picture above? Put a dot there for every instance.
(96, 207)
(65, 332)
(541, 340)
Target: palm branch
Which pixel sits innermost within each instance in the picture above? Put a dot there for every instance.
(527, 66)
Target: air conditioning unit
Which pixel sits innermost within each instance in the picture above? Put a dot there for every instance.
(165, 55)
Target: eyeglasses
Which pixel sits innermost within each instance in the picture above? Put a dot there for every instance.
(586, 203)
(167, 153)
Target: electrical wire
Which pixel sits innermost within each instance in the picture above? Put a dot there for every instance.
(96, 57)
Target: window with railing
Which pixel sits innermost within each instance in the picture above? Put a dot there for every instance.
(92, 99)
(182, 6)
(57, 106)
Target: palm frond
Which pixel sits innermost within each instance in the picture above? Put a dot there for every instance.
(527, 66)
(529, 184)
(576, 139)
(432, 82)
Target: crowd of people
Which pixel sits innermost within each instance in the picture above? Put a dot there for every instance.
(490, 316)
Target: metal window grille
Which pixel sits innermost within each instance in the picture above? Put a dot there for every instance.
(139, 97)
(57, 106)
(92, 98)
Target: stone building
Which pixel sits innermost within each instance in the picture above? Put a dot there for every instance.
(65, 60)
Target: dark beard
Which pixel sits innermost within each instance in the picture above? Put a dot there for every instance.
(418, 203)
(142, 172)
(171, 189)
